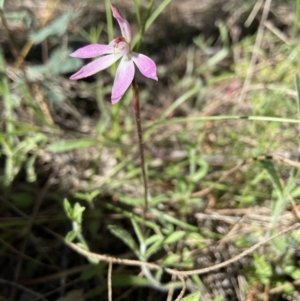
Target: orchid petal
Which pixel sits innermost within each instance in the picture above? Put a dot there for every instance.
(124, 77)
(96, 66)
(146, 66)
(92, 50)
(124, 25)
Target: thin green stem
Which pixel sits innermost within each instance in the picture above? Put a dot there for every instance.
(297, 20)
(142, 27)
(137, 12)
(14, 49)
(136, 108)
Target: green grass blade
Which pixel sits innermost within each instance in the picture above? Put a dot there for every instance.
(137, 12)
(232, 117)
(281, 201)
(156, 13)
(151, 20)
(126, 237)
(297, 19)
(69, 145)
(179, 101)
(192, 297)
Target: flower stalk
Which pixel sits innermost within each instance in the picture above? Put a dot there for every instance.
(107, 54)
(136, 109)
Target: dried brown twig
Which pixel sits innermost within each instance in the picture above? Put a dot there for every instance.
(173, 271)
(109, 286)
(181, 294)
(154, 266)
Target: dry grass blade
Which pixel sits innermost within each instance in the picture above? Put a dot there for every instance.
(256, 47)
(181, 273)
(182, 292)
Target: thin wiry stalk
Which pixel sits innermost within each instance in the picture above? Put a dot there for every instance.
(136, 108)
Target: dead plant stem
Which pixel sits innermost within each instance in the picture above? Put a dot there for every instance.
(170, 271)
(154, 266)
(109, 285)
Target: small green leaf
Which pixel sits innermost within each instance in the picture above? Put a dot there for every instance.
(72, 235)
(29, 143)
(129, 280)
(125, 237)
(152, 239)
(155, 247)
(281, 244)
(288, 287)
(282, 201)
(203, 168)
(131, 201)
(296, 192)
(30, 168)
(293, 271)
(77, 213)
(175, 221)
(224, 34)
(195, 238)
(263, 269)
(174, 237)
(68, 209)
(219, 298)
(87, 196)
(69, 145)
(138, 232)
(269, 167)
(170, 260)
(192, 297)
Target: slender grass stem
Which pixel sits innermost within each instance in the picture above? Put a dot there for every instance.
(136, 108)
(12, 44)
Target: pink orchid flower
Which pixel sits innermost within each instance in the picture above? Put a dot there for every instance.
(118, 48)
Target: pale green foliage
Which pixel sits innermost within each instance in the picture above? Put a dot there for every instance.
(74, 213)
(58, 63)
(17, 153)
(69, 145)
(126, 237)
(262, 270)
(192, 297)
(58, 27)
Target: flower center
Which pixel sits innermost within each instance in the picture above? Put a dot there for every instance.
(118, 40)
(120, 45)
